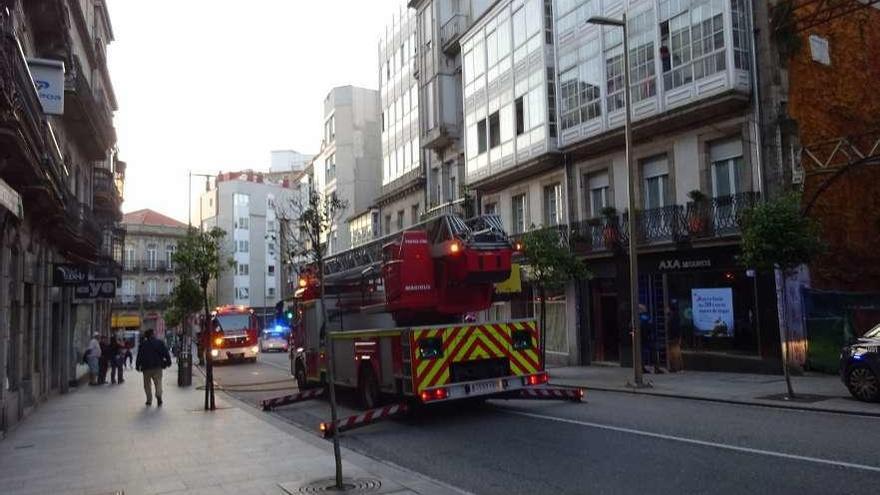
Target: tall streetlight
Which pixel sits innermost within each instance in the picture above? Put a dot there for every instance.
(631, 224)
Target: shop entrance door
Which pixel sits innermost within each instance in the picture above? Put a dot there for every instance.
(608, 326)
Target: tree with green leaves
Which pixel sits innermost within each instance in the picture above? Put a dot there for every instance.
(777, 238)
(199, 259)
(309, 221)
(184, 302)
(550, 265)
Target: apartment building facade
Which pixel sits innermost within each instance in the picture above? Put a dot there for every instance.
(60, 189)
(349, 163)
(440, 26)
(544, 113)
(401, 200)
(148, 275)
(244, 204)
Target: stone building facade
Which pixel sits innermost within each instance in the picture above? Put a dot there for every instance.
(61, 186)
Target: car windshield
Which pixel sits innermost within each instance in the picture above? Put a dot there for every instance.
(873, 333)
(233, 322)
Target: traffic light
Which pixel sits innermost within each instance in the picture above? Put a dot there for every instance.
(289, 315)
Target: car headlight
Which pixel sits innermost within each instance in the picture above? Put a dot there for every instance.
(255, 349)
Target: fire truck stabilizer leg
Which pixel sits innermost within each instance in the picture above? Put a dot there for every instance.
(549, 393)
(272, 403)
(363, 419)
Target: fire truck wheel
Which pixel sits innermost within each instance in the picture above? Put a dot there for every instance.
(368, 388)
(300, 375)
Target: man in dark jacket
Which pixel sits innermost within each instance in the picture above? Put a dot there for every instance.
(152, 358)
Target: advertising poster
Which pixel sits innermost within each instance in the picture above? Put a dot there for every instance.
(713, 311)
(49, 81)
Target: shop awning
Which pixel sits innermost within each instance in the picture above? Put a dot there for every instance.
(125, 321)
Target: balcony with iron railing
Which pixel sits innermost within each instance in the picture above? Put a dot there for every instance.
(156, 301)
(451, 31)
(106, 193)
(91, 116)
(712, 219)
(39, 174)
(147, 266)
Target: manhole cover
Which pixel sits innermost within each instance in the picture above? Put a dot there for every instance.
(328, 485)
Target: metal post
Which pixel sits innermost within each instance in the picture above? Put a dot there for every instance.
(631, 224)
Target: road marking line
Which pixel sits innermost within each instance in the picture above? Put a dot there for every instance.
(703, 443)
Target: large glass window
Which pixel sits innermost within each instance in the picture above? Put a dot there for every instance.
(740, 35)
(519, 27)
(553, 204)
(590, 75)
(655, 172)
(151, 256)
(726, 158)
(641, 56)
(494, 130)
(481, 136)
(691, 40)
(568, 98)
(599, 189)
(518, 213)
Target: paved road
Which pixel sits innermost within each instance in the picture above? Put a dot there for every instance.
(613, 443)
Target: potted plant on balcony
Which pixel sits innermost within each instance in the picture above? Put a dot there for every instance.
(610, 228)
(698, 214)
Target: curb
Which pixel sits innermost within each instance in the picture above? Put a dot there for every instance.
(724, 401)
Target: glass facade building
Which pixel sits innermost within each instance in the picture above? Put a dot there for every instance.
(508, 87)
(681, 51)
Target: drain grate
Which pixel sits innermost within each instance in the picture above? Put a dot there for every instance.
(328, 485)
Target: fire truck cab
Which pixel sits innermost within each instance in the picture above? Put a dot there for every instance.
(234, 334)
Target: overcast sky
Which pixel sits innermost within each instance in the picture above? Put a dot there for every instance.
(209, 85)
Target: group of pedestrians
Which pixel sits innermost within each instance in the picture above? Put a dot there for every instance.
(109, 352)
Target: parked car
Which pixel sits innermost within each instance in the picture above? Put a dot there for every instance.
(860, 366)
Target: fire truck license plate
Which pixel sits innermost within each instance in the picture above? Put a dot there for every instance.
(483, 388)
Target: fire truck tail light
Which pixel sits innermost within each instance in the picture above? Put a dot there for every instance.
(218, 341)
(454, 248)
(436, 394)
(255, 349)
(538, 379)
(302, 282)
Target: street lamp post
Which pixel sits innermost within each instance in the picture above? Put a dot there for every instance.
(631, 224)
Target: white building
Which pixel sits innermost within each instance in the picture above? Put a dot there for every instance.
(349, 164)
(441, 24)
(288, 161)
(243, 204)
(402, 198)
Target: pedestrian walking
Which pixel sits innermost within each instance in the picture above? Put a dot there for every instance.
(116, 361)
(128, 355)
(93, 358)
(152, 358)
(104, 360)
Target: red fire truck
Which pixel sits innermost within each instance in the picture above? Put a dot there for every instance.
(396, 317)
(234, 332)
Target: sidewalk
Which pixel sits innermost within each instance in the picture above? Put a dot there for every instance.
(820, 392)
(104, 440)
